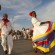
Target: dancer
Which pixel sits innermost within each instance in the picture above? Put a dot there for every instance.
(6, 37)
(43, 34)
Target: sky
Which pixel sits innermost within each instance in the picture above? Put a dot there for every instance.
(18, 11)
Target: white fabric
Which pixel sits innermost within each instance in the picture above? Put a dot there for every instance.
(5, 37)
(18, 36)
(10, 44)
(27, 31)
(14, 37)
(38, 29)
(24, 33)
(9, 40)
(5, 29)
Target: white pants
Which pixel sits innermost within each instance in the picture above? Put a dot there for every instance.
(7, 40)
(18, 36)
(25, 36)
(14, 37)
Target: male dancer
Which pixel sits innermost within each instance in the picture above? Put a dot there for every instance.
(6, 37)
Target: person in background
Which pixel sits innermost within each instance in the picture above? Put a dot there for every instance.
(18, 34)
(31, 33)
(24, 33)
(14, 35)
(6, 37)
(28, 33)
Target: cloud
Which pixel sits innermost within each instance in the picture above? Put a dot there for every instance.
(47, 12)
(20, 5)
(19, 9)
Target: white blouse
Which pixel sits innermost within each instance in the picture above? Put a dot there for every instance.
(38, 29)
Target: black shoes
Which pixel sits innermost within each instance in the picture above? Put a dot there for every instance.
(6, 52)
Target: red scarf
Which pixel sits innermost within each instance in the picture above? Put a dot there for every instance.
(5, 21)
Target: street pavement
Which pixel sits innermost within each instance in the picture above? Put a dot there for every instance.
(24, 47)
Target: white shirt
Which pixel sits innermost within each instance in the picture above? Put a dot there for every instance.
(27, 31)
(5, 29)
(38, 29)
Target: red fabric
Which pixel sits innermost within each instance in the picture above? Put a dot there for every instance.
(48, 39)
(50, 36)
(31, 31)
(48, 26)
(39, 43)
(42, 42)
(45, 41)
(30, 13)
(5, 21)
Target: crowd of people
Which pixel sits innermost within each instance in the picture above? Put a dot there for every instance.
(24, 34)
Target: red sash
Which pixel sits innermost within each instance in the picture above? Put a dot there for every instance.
(5, 21)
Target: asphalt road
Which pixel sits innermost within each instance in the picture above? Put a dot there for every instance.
(24, 47)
